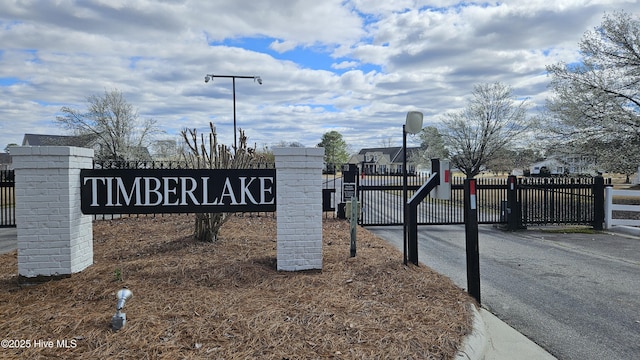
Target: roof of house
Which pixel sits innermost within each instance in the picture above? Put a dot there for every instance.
(396, 155)
(391, 151)
(140, 153)
(57, 140)
(400, 155)
(85, 141)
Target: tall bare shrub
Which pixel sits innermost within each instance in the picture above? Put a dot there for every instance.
(203, 154)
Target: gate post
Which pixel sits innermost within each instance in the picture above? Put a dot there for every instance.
(54, 238)
(514, 218)
(598, 202)
(299, 208)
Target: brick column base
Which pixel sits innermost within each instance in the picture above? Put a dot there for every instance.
(54, 238)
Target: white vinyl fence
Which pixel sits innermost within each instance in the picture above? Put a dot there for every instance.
(610, 207)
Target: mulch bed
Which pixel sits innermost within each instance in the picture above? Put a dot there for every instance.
(226, 300)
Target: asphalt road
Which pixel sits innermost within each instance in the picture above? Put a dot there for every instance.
(576, 295)
(8, 239)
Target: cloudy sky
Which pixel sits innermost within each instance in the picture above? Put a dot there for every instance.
(355, 66)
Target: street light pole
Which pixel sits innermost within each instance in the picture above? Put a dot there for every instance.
(412, 125)
(404, 192)
(233, 77)
(235, 131)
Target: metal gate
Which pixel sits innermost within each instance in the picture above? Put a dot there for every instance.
(540, 201)
(381, 197)
(7, 198)
(557, 200)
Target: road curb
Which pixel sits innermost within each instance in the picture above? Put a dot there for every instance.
(475, 344)
(628, 230)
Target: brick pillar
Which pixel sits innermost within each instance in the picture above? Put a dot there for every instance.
(299, 208)
(54, 238)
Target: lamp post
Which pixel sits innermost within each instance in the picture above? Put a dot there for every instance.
(412, 125)
(233, 77)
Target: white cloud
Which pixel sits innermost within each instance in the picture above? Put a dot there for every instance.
(283, 46)
(345, 65)
(380, 59)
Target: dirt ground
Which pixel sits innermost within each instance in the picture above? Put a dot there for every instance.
(226, 300)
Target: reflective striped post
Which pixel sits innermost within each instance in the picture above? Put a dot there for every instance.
(471, 236)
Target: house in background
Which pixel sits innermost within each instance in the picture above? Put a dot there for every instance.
(564, 165)
(386, 160)
(547, 167)
(84, 141)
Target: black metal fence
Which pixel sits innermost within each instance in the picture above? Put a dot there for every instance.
(155, 164)
(540, 201)
(133, 164)
(7, 198)
(557, 200)
(331, 184)
(381, 197)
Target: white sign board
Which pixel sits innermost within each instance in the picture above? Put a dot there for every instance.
(443, 191)
(348, 191)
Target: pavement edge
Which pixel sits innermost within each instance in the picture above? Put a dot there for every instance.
(627, 230)
(475, 344)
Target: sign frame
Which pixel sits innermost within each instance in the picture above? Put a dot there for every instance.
(159, 191)
(349, 190)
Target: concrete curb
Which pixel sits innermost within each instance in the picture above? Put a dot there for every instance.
(475, 344)
(628, 230)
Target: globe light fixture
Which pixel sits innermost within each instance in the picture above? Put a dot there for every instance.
(120, 319)
(413, 124)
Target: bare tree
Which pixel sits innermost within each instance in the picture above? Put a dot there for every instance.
(283, 143)
(597, 101)
(616, 155)
(386, 142)
(601, 94)
(114, 122)
(207, 153)
(502, 162)
(488, 124)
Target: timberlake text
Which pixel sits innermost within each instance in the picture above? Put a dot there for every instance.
(146, 191)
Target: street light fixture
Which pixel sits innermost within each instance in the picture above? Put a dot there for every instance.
(234, 77)
(412, 125)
